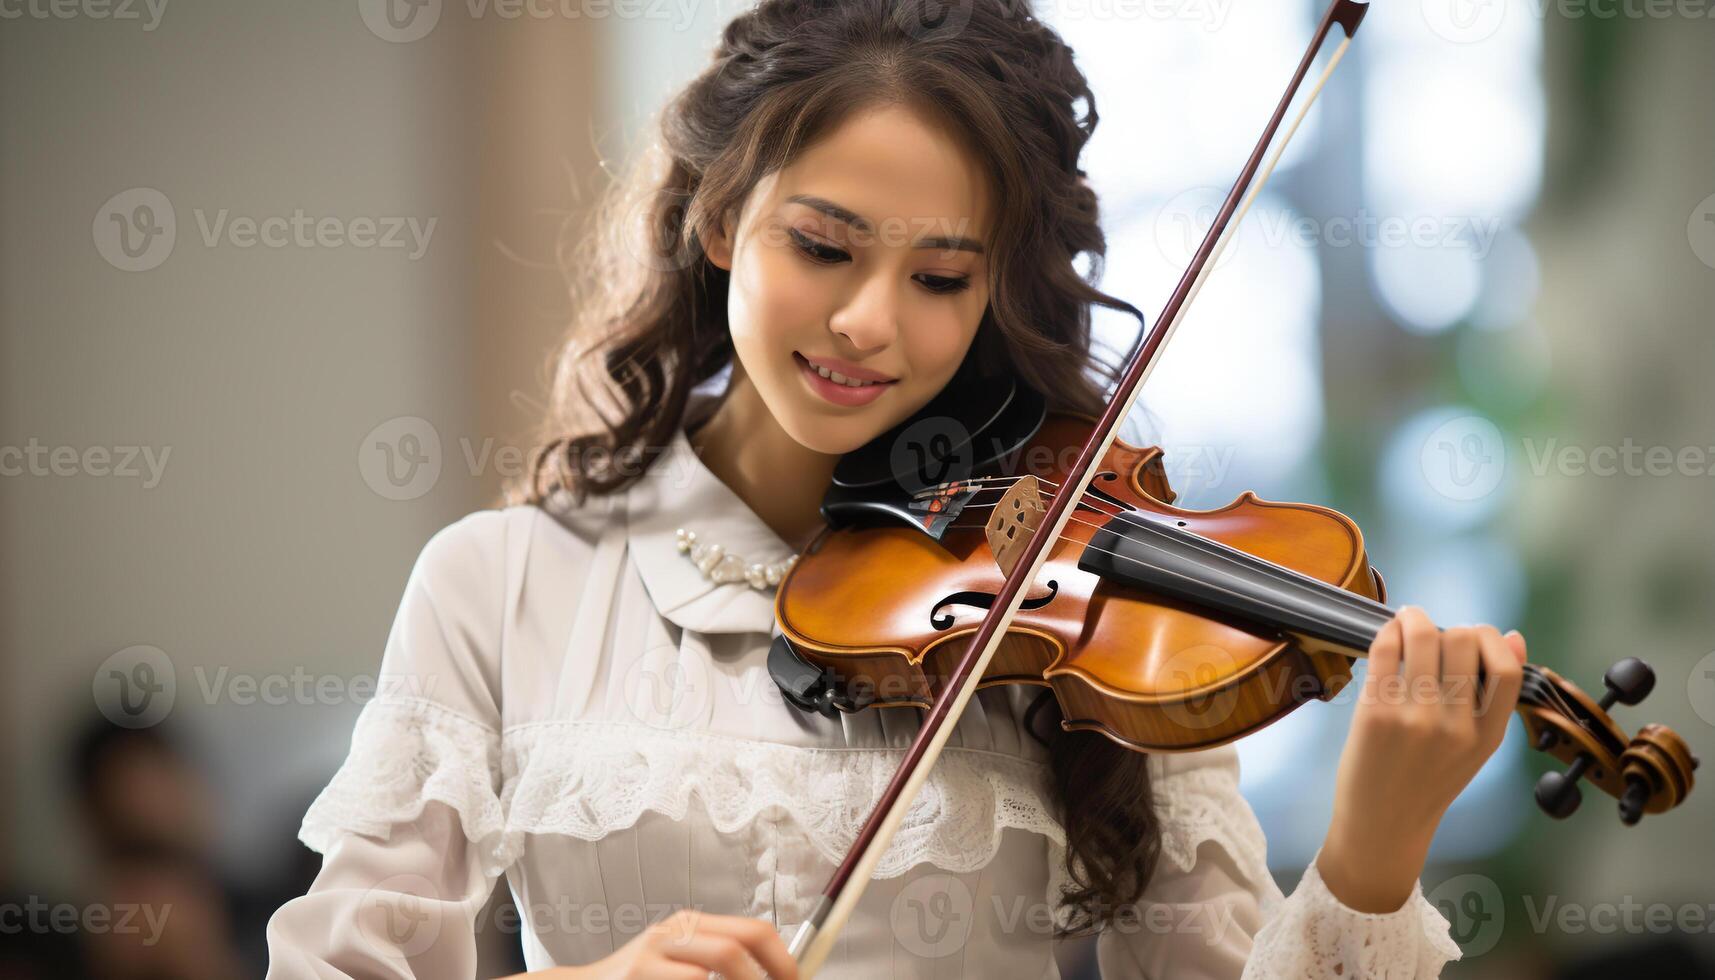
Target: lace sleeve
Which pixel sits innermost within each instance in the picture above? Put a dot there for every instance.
(411, 828)
(1314, 935)
(1213, 911)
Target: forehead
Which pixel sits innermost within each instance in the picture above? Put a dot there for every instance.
(890, 164)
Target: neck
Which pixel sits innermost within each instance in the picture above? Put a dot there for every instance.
(1155, 555)
(775, 475)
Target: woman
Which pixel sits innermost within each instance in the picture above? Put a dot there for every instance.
(850, 205)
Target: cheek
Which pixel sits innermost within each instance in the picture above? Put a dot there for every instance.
(938, 342)
(771, 302)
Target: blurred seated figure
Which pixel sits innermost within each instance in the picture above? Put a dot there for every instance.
(162, 909)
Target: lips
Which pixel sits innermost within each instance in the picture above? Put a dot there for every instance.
(844, 391)
(845, 372)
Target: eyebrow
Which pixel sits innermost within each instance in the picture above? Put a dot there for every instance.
(832, 210)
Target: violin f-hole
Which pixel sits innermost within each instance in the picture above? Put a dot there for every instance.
(983, 600)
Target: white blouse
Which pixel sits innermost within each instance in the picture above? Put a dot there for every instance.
(565, 699)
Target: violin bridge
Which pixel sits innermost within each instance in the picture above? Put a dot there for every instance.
(1015, 517)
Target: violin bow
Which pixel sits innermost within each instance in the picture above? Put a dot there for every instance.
(814, 940)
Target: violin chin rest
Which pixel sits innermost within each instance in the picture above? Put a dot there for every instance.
(807, 686)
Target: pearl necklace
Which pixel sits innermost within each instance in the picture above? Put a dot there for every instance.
(718, 566)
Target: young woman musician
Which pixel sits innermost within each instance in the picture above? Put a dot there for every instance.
(846, 207)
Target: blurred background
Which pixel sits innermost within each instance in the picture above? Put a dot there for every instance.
(278, 283)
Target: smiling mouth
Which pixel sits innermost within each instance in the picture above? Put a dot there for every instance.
(836, 377)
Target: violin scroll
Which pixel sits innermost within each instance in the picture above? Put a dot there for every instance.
(1650, 772)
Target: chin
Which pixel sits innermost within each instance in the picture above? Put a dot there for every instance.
(825, 429)
(834, 437)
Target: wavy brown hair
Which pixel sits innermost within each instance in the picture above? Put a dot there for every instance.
(651, 308)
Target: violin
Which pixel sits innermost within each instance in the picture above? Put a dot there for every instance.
(987, 540)
(1166, 630)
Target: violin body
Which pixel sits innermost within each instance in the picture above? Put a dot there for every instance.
(888, 610)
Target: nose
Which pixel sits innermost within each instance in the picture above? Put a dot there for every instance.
(870, 319)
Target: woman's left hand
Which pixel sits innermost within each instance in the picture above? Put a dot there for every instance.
(1422, 728)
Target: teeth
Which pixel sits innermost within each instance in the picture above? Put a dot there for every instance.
(840, 379)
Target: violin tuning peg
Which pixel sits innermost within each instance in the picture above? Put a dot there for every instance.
(1557, 793)
(1657, 767)
(1633, 800)
(1629, 682)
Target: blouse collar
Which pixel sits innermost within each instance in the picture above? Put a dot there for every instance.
(678, 490)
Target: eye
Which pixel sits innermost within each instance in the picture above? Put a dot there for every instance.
(945, 284)
(828, 255)
(816, 250)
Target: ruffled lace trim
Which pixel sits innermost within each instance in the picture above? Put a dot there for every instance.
(588, 779)
(404, 754)
(1314, 935)
(1194, 806)
(1311, 933)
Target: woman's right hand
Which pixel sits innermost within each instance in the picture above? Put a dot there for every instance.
(689, 945)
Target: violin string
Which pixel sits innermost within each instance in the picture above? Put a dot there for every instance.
(1141, 520)
(1352, 601)
(1378, 612)
(1322, 588)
